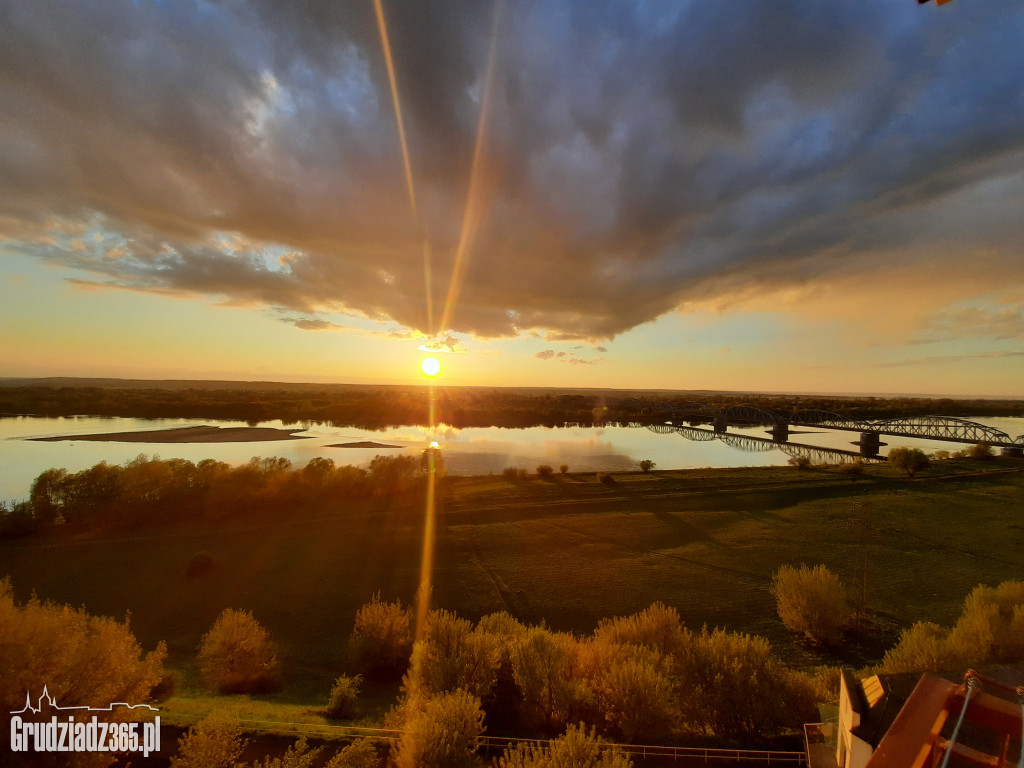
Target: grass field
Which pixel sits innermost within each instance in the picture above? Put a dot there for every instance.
(567, 550)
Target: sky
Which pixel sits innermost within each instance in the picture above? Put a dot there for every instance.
(785, 196)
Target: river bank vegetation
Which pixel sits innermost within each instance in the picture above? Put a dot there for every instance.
(379, 407)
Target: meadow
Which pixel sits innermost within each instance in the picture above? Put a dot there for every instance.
(567, 550)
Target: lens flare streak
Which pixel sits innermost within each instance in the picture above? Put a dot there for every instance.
(386, 45)
(475, 196)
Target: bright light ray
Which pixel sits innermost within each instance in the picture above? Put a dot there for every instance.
(470, 223)
(427, 559)
(474, 198)
(411, 188)
(386, 45)
(428, 279)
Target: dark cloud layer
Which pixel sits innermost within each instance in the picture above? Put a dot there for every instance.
(637, 156)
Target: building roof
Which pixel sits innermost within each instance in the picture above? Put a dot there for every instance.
(878, 699)
(990, 714)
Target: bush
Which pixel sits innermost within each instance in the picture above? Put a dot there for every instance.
(18, 520)
(545, 470)
(922, 648)
(361, 753)
(853, 469)
(298, 755)
(451, 656)
(910, 460)
(574, 749)
(214, 742)
(344, 701)
(638, 699)
(990, 630)
(381, 640)
(647, 465)
(605, 478)
(811, 601)
(441, 732)
(980, 451)
(800, 462)
(238, 656)
(732, 685)
(514, 473)
(657, 627)
(81, 660)
(564, 468)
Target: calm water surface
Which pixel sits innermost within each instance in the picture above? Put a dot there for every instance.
(467, 451)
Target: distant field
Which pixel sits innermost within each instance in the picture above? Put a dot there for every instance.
(567, 550)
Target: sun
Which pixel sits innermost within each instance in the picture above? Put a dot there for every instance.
(430, 366)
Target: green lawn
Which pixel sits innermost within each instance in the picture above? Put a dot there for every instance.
(567, 550)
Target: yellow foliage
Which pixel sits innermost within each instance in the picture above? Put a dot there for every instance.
(238, 656)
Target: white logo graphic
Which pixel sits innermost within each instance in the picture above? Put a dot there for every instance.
(53, 705)
(91, 735)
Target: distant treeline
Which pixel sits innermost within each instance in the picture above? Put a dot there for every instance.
(146, 491)
(372, 407)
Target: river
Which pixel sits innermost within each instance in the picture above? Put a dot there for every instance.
(475, 451)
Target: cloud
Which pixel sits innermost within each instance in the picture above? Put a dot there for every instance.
(446, 344)
(942, 359)
(1004, 323)
(312, 324)
(568, 357)
(638, 158)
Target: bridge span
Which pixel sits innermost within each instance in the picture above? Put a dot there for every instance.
(943, 428)
(751, 443)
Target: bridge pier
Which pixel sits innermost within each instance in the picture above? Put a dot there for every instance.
(721, 424)
(780, 432)
(869, 444)
(1015, 451)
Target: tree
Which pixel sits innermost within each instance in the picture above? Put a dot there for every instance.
(298, 755)
(990, 630)
(638, 699)
(657, 627)
(81, 660)
(980, 451)
(344, 701)
(646, 465)
(214, 742)
(361, 753)
(811, 601)
(381, 640)
(238, 656)
(924, 647)
(991, 627)
(441, 732)
(910, 460)
(574, 749)
(541, 666)
(452, 655)
(732, 685)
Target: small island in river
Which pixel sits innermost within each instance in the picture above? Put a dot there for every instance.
(202, 434)
(363, 444)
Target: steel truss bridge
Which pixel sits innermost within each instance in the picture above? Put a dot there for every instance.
(750, 443)
(947, 428)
